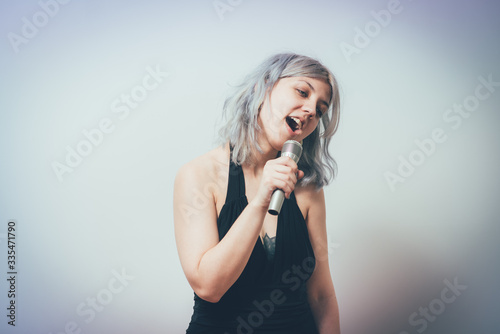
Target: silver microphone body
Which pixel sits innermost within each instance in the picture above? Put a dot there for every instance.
(292, 149)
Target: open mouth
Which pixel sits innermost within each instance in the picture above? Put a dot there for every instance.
(294, 123)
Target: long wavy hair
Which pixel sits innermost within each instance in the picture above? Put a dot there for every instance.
(241, 110)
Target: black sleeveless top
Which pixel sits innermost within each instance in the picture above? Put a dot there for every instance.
(270, 296)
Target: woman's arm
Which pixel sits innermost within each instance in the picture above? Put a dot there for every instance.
(212, 266)
(320, 288)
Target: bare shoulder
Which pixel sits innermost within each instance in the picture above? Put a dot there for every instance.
(309, 197)
(309, 194)
(204, 166)
(206, 174)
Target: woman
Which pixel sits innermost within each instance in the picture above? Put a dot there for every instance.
(253, 272)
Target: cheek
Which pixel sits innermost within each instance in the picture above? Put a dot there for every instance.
(312, 126)
(274, 114)
(270, 121)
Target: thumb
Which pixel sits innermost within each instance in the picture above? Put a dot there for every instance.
(300, 174)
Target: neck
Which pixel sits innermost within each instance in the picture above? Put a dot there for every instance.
(260, 158)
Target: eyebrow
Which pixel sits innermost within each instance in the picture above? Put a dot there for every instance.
(312, 88)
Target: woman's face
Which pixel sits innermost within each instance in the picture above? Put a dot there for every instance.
(293, 110)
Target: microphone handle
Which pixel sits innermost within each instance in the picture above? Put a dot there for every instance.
(278, 196)
(277, 199)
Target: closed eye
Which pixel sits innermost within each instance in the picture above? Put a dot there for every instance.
(302, 93)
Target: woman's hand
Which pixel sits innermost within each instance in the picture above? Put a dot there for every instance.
(280, 173)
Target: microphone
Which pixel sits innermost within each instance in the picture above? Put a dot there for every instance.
(292, 149)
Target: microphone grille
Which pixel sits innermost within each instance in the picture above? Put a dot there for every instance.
(292, 147)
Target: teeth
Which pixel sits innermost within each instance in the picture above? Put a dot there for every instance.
(299, 123)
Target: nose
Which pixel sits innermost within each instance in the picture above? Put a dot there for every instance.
(310, 108)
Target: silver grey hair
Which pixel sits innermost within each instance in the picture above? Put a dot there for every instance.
(242, 108)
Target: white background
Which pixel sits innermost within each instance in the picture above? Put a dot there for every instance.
(391, 249)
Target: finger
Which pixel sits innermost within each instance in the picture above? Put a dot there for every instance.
(290, 185)
(283, 186)
(286, 173)
(284, 182)
(282, 169)
(287, 161)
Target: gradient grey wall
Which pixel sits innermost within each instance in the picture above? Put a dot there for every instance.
(414, 208)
